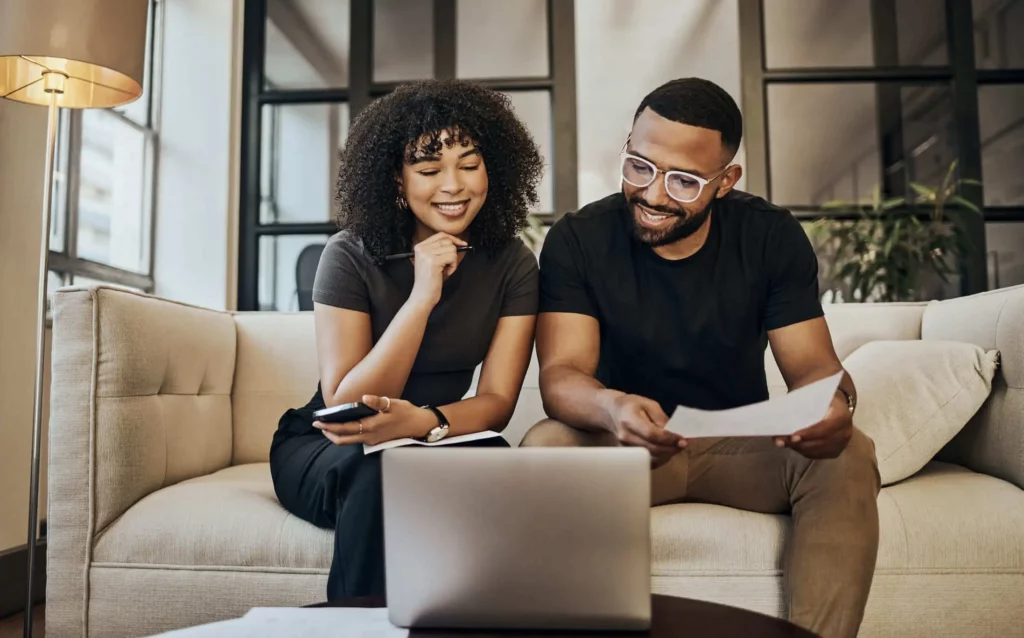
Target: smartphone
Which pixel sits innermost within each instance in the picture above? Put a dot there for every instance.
(344, 413)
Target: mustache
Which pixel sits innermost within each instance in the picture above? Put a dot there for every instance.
(665, 210)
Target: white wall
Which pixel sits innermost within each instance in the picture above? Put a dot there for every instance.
(624, 50)
(22, 155)
(196, 166)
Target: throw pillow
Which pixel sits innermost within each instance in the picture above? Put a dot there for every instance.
(914, 396)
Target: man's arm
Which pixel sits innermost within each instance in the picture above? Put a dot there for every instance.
(568, 347)
(805, 354)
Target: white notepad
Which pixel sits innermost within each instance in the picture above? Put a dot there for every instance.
(448, 440)
(780, 416)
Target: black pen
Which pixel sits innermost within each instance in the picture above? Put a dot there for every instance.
(458, 249)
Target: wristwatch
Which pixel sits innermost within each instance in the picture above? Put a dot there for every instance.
(438, 432)
(851, 401)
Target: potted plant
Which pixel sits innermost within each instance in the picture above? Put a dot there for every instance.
(894, 245)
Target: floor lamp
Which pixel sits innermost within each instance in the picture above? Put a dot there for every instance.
(73, 54)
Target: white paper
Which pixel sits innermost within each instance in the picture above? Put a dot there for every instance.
(448, 440)
(780, 416)
(279, 622)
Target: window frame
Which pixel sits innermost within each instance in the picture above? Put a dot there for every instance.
(960, 75)
(66, 263)
(560, 83)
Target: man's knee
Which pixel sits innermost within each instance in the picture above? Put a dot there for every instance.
(552, 433)
(857, 466)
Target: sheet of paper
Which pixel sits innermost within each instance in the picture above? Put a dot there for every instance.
(465, 438)
(281, 622)
(780, 416)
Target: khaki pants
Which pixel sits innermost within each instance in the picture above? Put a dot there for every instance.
(830, 557)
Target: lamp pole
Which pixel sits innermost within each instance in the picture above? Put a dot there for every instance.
(55, 82)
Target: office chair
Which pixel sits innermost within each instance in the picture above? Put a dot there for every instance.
(305, 273)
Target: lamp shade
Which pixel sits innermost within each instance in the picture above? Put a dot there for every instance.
(99, 46)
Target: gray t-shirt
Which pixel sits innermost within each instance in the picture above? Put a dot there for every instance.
(462, 324)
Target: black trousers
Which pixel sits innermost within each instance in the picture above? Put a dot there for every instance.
(337, 486)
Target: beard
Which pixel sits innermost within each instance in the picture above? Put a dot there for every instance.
(684, 225)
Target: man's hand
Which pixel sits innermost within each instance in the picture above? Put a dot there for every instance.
(639, 421)
(826, 439)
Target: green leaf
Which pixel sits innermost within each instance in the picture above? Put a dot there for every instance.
(949, 174)
(972, 182)
(956, 199)
(927, 193)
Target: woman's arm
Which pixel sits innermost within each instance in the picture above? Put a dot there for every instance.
(351, 366)
(501, 379)
(497, 392)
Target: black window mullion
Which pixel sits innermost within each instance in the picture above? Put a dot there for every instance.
(754, 97)
(360, 59)
(888, 101)
(562, 61)
(960, 31)
(445, 34)
(253, 49)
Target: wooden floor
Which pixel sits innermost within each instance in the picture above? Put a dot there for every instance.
(14, 626)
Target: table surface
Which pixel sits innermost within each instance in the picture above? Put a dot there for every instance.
(669, 616)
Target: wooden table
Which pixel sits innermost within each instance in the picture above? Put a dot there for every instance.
(669, 617)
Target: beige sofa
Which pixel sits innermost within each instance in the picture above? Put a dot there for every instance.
(162, 513)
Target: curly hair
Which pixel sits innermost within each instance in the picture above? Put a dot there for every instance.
(384, 136)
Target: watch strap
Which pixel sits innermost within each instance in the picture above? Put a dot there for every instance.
(442, 425)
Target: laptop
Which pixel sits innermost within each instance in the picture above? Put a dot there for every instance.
(527, 538)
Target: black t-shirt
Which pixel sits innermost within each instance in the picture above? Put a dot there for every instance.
(689, 332)
(459, 330)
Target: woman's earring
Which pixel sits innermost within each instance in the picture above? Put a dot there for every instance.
(402, 204)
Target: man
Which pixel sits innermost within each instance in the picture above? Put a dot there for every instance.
(666, 294)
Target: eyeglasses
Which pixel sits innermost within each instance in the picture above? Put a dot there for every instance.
(680, 186)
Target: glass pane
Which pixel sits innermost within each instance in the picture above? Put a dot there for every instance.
(301, 145)
(1001, 120)
(997, 25)
(59, 194)
(138, 110)
(54, 281)
(113, 193)
(929, 133)
(307, 44)
(285, 283)
(79, 280)
(816, 157)
(403, 40)
(825, 33)
(501, 39)
(534, 109)
(1005, 242)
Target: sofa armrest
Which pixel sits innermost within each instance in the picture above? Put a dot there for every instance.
(993, 441)
(140, 399)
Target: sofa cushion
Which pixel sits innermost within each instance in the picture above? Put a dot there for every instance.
(945, 518)
(914, 396)
(229, 518)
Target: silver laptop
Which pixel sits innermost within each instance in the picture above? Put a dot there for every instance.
(528, 538)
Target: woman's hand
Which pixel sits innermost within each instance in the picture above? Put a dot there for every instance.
(436, 258)
(397, 419)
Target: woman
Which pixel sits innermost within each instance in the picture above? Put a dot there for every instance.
(433, 167)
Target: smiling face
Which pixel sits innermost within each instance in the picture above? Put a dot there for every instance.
(445, 188)
(658, 219)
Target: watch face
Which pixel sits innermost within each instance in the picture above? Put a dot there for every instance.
(437, 434)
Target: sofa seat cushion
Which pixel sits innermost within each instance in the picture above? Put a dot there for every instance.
(944, 519)
(230, 518)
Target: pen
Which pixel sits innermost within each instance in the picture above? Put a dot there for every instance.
(460, 249)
